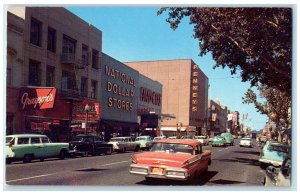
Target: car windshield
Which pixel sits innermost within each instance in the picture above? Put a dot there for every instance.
(140, 138)
(78, 139)
(172, 148)
(217, 138)
(187, 137)
(278, 148)
(9, 139)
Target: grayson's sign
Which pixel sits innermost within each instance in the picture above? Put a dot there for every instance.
(37, 98)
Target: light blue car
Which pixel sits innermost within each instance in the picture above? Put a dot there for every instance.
(273, 153)
(144, 141)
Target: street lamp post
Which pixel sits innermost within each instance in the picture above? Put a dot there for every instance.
(86, 109)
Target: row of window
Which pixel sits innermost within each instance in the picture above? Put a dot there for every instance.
(69, 44)
(68, 79)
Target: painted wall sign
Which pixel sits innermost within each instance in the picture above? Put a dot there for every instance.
(36, 98)
(149, 96)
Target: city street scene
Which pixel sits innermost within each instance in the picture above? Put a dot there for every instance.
(149, 96)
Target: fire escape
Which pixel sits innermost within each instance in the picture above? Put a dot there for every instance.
(71, 78)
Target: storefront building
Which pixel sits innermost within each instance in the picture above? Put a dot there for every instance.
(52, 51)
(185, 94)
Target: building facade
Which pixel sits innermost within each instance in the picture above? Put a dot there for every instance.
(53, 57)
(185, 93)
(217, 118)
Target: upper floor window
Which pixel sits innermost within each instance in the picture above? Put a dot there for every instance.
(69, 45)
(51, 44)
(95, 59)
(85, 54)
(94, 89)
(36, 32)
(68, 81)
(50, 76)
(84, 87)
(35, 72)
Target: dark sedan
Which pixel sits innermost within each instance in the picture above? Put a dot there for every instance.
(89, 144)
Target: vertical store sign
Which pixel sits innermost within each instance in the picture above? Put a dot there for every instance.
(195, 88)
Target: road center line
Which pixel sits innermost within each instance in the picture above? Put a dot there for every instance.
(26, 178)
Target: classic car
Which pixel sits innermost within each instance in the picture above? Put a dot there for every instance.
(89, 144)
(123, 144)
(228, 138)
(273, 153)
(175, 159)
(203, 139)
(27, 147)
(279, 176)
(218, 141)
(246, 141)
(144, 141)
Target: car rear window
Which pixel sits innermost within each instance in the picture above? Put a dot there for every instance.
(172, 148)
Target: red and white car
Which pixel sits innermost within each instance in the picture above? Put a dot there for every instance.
(177, 159)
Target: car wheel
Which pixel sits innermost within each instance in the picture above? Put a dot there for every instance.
(63, 154)
(28, 158)
(109, 151)
(137, 148)
(263, 165)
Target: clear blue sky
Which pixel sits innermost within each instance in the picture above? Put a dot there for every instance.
(137, 34)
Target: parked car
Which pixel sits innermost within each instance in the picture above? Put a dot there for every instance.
(273, 153)
(27, 147)
(203, 139)
(246, 141)
(144, 141)
(89, 144)
(123, 144)
(155, 139)
(175, 159)
(218, 141)
(276, 176)
(228, 138)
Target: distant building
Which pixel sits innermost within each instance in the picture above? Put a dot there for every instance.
(185, 93)
(217, 117)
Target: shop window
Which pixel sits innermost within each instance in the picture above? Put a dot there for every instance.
(94, 89)
(51, 44)
(85, 54)
(35, 73)
(36, 32)
(84, 87)
(95, 59)
(50, 76)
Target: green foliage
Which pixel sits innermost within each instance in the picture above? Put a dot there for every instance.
(255, 41)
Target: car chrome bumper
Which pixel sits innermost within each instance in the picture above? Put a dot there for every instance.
(145, 170)
(272, 162)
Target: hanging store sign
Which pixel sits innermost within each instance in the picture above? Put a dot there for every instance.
(36, 98)
(79, 113)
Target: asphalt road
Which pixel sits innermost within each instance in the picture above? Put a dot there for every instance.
(231, 166)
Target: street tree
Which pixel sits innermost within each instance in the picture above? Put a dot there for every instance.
(276, 107)
(256, 42)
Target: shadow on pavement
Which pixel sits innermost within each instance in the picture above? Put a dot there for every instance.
(202, 180)
(91, 170)
(248, 152)
(225, 182)
(253, 162)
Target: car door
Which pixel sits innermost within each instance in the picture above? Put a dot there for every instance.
(38, 148)
(49, 148)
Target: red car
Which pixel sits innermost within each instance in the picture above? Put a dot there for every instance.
(178, 159)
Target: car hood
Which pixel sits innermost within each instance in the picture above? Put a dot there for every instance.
(162, 158)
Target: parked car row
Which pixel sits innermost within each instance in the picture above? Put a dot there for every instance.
(27, 147)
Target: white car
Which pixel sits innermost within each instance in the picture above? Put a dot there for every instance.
(123, 144)
(246, 141)
(203, 139)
